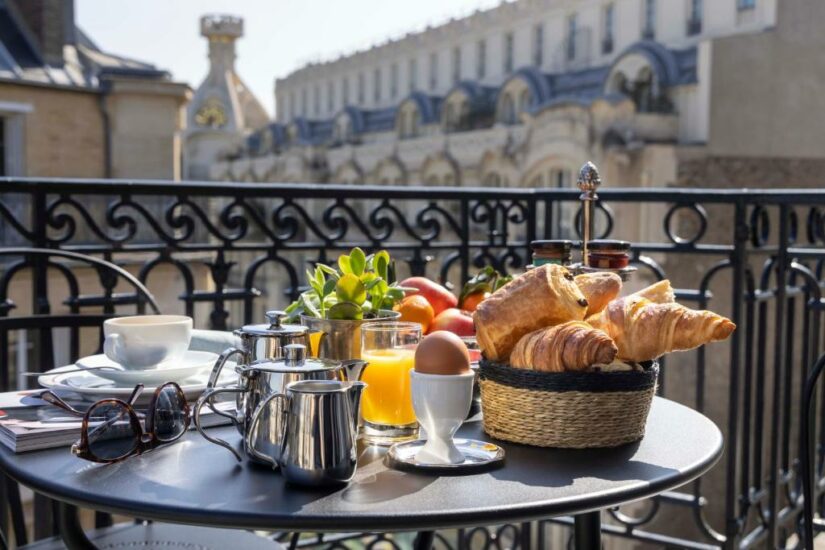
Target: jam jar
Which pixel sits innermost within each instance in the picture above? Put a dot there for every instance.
(551, 252)
(608, 254)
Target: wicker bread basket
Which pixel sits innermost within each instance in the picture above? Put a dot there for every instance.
(566, 409)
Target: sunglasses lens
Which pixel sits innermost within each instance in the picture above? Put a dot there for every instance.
(170, 414)
(111, 433)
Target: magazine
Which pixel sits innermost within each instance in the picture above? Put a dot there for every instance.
(29, 424)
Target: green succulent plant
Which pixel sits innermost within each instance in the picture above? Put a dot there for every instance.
(358, 288)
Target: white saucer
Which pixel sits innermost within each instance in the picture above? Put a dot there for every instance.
(92, 387)
(192, 364)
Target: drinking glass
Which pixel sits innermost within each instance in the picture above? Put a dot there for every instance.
(389, 350)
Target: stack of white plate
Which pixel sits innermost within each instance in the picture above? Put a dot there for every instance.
(191, 373)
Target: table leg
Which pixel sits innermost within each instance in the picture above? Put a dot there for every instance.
(424, 540)
(587, 531)
(70, 529)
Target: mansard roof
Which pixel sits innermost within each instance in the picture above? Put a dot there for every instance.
(311, 131)
(368, 120)
(77, 63)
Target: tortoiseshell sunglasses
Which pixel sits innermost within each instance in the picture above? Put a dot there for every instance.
(112, 430)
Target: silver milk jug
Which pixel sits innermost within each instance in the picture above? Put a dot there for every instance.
(261, 379)
(318, 447)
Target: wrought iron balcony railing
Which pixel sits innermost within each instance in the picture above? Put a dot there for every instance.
(232, 250)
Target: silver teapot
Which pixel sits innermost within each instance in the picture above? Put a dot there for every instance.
(261, 379)
(318, 446)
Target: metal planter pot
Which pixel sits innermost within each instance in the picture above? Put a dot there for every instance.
(340, 340)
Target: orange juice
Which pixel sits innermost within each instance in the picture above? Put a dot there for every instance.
(387, 399)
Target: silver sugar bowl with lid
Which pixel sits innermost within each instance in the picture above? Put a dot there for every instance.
(258, 343)
(260, 379)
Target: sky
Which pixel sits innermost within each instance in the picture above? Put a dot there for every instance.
(279, 35)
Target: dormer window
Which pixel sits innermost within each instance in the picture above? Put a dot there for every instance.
(507, 110)
(342, 131)
(407, 120)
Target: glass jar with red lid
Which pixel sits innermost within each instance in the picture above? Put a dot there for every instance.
(608, 254)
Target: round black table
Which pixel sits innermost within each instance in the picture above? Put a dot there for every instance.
(195, 482)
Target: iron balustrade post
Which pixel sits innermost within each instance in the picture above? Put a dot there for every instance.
(587, 531)
(738, 260)
(781, 267)
(465, 237)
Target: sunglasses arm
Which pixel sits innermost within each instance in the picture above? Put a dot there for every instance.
(135, 394)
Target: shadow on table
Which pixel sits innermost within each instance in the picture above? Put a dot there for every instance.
(562, 467)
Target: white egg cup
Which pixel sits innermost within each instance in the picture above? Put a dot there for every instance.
(441, 403)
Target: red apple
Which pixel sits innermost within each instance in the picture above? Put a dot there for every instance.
(438, 296)
(454, 320)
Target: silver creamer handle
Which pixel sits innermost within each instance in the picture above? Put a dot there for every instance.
(206, 399)
(253, 425)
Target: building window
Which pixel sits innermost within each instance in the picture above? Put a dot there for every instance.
(507, 115)
(538, 45)
(394, 81)
(412, 77)
(376, 85)
(361, 88)
(345, 91)
(607, 31)
(456, 64)
(524, 101)
(572, 24)
(508, 53)
(304, 102)
(293, 106)
(649, 20)
(433, 71)
(316, 100)
(481, 59)
(3, 147)
(694, 24)
(330, 96)
(746, 4)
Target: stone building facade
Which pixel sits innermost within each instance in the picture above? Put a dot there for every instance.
(70, 109)
(521, 94)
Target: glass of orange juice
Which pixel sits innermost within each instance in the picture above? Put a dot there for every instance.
(386, 405)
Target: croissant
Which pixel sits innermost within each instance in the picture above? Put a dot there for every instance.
(644, 330)
(572, 346)
(660, 292)
(599, 289)
(542, 297)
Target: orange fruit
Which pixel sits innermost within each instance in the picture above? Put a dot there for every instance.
(416, 309)
(471, 301)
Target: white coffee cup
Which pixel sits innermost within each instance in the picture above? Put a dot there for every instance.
(441, 403)
(144, 341)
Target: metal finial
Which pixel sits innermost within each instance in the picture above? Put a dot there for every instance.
(589, 181)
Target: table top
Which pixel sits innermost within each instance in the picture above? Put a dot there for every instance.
(195, 482)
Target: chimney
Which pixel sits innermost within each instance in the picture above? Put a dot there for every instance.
(51, 22)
